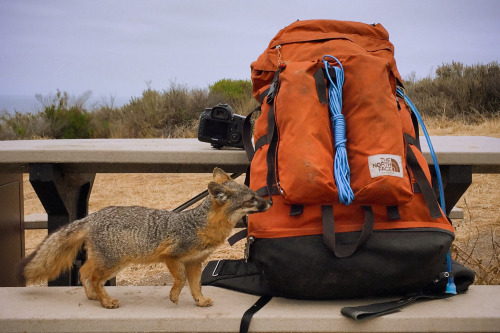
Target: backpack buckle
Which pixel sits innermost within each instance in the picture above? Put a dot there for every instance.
(249, 242)
(273, 89)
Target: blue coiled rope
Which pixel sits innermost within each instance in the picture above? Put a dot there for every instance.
(450, 287)
(341, 169)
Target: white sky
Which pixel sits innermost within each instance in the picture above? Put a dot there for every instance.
(119, 47)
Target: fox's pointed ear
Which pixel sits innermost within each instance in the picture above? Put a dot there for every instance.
(218, 192)
(220, 176)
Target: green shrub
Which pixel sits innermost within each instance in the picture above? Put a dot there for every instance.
(467, 93)
(23, 126)
(67, 122)
(231, 91)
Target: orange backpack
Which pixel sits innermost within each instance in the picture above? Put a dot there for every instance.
(295, 151)
(354, 213)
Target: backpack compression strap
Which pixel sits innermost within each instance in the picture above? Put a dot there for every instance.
(365, 312)
(344, 250)
(423, 183)
(272, 136)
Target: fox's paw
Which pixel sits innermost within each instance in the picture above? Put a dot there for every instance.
(204, 302)
(110, 303)
(174, 298)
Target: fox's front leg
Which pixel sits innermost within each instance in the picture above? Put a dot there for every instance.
(193, 272)
(178, 272)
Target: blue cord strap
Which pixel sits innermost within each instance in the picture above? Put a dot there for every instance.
(342, 172)
(450, 287)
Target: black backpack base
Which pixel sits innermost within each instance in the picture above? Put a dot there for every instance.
(303, 268)
(391, 262)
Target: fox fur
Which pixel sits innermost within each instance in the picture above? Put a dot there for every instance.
(116, 237)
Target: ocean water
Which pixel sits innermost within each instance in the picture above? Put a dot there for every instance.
(29, 104)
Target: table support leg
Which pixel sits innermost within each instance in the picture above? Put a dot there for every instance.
(456, 180)
(11, 228)
(65, 198)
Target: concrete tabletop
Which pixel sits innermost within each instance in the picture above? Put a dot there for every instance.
(123, 155)
(190, 155)
(483, 152)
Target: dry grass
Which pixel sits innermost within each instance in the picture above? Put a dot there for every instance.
(165, 191)
(477, 243)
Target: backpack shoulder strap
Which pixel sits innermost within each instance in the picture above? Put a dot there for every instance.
(247, 316)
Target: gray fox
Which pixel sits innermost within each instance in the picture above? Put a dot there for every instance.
(115, 237)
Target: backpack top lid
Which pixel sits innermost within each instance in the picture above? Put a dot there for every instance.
(313, 30)
(310, 40)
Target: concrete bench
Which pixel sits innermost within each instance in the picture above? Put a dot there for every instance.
(147, 309)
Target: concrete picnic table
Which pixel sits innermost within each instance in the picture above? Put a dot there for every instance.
(62, 173)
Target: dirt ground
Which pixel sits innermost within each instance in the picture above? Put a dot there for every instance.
(162, 191)
(477, 235)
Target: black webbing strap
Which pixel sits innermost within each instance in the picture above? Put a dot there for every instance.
(319, 78)
(247, 130)
(200, 196)
(414, 119)
(271, 153)
(261, 142)
(273, 88)
(344, 250)
(321, 83)
(296, 210)
(237, 236)
(247, 317)
(247, 176)
(264, 191)
(365, 312)
(247, 134)
(264, 95)
(393, 213)
(423, 183)
(409, 139)
(272, 134)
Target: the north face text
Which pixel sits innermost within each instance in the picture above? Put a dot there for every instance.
(385, 165)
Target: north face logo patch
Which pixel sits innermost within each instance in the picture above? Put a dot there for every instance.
(385, 165)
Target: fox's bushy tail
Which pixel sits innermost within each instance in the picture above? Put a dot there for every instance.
(55, 254)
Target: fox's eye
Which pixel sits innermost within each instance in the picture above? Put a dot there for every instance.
(251, 202)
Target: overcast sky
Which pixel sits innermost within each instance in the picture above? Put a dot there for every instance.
(120, 47)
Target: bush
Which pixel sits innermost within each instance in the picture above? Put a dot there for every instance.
(232, 91)
(458, 92)
(67, 122)
(164, 114)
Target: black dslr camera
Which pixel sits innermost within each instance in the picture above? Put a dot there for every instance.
(221, 127)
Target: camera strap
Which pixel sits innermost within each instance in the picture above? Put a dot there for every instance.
(247, 135)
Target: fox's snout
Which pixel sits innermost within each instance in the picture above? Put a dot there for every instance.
(262, 205)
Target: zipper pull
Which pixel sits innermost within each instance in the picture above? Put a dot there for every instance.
(249, 242)
(281, 63)
(280, 189)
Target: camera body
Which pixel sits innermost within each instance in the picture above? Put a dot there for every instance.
(221, 127)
